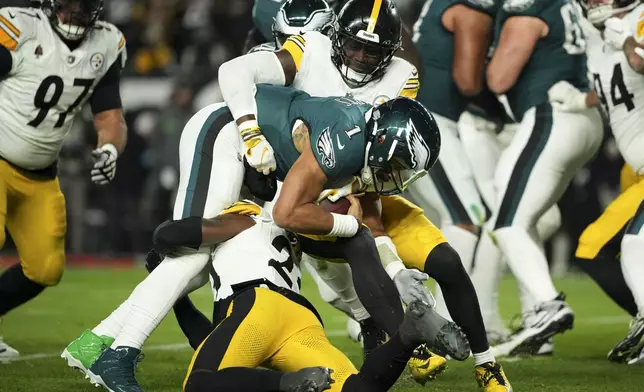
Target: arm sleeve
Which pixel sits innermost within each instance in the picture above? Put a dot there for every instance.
(107, 94)
(6, 61)
(194, 324)
(237, 79)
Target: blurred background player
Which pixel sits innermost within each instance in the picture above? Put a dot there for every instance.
(52, 61)
(617, 237)
(548, 148)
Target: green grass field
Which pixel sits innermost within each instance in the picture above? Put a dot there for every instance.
(41, 329)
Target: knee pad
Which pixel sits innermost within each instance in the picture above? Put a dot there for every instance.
(47, 272)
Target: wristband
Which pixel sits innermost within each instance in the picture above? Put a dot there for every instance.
(344, 225)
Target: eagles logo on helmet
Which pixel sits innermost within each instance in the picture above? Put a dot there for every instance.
(72, 19)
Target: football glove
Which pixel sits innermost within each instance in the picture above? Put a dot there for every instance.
(409, 283)
(259, 153)
(104, 168)
(356, 188)
(565, 97)
(615, 32)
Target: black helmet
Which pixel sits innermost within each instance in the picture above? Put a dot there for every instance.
(599, 11)
(299, 16)
(370, 30)
(403, 144)
(73, 19)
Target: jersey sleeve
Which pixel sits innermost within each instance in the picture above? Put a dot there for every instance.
(489, 7)
(339, 147)
(16, 28)
(295, 45)
(531, 8)
(638, 28)
(412, 85)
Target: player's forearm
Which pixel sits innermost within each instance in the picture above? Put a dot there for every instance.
(307, 218)
(635, 60)
(237, 79)
(592, 99)
(111, 129)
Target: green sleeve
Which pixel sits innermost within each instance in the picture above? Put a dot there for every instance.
(489, 7)
(524, 7)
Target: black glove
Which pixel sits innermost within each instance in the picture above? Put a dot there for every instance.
(152, 260)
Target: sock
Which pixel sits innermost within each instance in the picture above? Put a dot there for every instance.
(113, 324)
(527, 262)
(632, 263)
(528, 304)
(16, 289)
(382, 368)
(605, 270)
(375, 289)
(234, 379)
(444, 266)
(463, 241)
(484, 357)
(153, 298)
(486, 277)
(441, 306)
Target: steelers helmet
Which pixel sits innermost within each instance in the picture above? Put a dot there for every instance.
(72, 19)
(367, 36)
(403, 144)
(299, 16)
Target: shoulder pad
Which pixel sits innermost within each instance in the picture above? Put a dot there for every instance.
(17, 25)
(109, 38)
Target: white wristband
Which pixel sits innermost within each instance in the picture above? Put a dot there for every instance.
(248, 124)
(344, 225)
(389, 256)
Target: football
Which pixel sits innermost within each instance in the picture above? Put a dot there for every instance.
(339, 207)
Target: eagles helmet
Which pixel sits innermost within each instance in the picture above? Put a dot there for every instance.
(402, 146)
(599, 11)
(299, 16)
(368, 34)
(72, 19)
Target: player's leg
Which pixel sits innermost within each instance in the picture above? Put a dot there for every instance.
(632, 246)
(258, 324)
(533, 173)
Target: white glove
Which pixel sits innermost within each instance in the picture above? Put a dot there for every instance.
(104, 159)
(615, 32)
(259, 153)
(355, 188)
(565, 97)
(409, 283)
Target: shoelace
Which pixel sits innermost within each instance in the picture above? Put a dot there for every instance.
(129, 377)
(493, 371)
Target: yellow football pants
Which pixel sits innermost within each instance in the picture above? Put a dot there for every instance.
(612, 220)
(33, 211)
(264, 328)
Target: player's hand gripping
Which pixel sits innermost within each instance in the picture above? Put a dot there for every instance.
(355, 210)
(259, 153)
(565, 97)
(104, 168)
(409, 283)
(356, 188)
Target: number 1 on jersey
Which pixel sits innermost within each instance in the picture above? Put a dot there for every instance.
(44, 105)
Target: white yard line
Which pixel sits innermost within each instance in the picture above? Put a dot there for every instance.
(605, 320)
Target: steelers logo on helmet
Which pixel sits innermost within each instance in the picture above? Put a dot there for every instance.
(97, 60)
(367, 36)
(380, 99)
(72, 19)
(403, 145)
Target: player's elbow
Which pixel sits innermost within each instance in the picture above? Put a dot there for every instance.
(468, 84)
(228, 70)
(283, 215)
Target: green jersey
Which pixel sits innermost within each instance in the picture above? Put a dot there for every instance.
(435, 45)
(560, 55)
(264, 12)
(336, 130)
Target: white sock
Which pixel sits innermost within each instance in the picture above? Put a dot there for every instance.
(486, 277)
(463, 242)
(339, 278)
(441, 306)
(153, 298)
(632, 263)
(484, 357)
(328, 295)
(527, 262)
(113, 324)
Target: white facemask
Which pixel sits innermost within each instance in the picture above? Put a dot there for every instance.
(70, 32)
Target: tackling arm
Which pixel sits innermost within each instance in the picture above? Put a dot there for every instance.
(634, 52)
(472, 33)
(518, 39)
(108, 110)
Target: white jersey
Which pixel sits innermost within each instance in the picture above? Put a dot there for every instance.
(264, 251)
(48, 83)
(318, 76)
(621, 91)
(594, 42)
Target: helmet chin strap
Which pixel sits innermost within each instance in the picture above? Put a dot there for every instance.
(65, 31)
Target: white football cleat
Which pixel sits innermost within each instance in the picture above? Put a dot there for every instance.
(7, 353)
